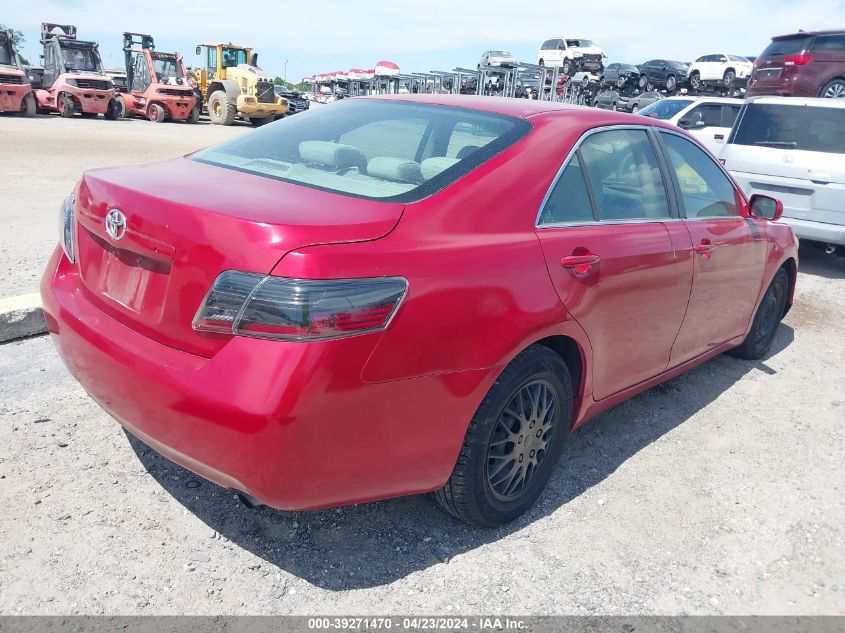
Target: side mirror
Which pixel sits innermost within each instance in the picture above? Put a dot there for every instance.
(198, 49)
(253, 60)
(765, 208)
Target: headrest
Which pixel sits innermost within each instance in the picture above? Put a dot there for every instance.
(430, 167)
(396, 169)
(467, 150)
(330, 154)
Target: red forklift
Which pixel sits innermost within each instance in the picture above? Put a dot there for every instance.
(71, 79)
(158, 87)
(15, 89)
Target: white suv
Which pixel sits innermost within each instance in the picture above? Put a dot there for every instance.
(722, 69)
(794, 149)
(709, 119)
(571, 54)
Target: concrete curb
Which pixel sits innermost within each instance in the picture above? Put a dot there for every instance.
(20, 317)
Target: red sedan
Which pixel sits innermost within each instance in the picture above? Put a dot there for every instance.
(392, 296)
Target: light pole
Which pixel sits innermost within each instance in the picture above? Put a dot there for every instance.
(286, 74)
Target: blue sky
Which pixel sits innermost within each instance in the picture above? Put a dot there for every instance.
(327, 35)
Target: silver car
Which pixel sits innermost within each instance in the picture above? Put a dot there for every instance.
(497, 59)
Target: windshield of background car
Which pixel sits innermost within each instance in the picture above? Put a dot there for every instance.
(168, 71)
(665, 108)
(499, 54)
(737, 58)
(381, 150)
(792, 127)
(787, 46)
(580, 43)
(86, 59)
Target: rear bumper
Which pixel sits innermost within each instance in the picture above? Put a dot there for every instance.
(292, 425)
(11, 96)
(250, 106)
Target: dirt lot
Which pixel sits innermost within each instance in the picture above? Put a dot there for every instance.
(719, 492)
(41, 161)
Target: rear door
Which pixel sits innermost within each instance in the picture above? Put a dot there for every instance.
(729, 250)
(611, 257)
(829, 63)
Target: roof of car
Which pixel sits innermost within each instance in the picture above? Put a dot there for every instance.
(799, 101)
(522, 108)
(809, 34)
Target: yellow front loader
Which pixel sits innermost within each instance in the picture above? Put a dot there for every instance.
(232, 85)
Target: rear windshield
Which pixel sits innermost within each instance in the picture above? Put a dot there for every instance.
(666, 108)
(382, 150)
(787, 46)
(814, 129)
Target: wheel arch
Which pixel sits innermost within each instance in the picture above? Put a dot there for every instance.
(791, 267)
(229, 86)
(828, 82)
(574, 357)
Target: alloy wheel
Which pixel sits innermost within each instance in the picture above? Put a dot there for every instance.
(518, 446)
(835, 91)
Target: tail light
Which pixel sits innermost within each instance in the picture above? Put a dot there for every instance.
(800, 59)
(261, 306)
(66, 235)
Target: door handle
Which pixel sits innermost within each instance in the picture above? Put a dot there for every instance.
(705, 249)
(580, 264)
(719, 137)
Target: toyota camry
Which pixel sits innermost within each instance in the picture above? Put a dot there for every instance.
(400, 295)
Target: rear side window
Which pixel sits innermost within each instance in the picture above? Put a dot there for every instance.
(813, 129)
(830, 43)
(614, 175)
(706, 191)
(787, 46)
(708, 113)
(378, 149)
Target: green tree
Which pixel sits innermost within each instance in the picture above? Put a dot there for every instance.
(17, 38)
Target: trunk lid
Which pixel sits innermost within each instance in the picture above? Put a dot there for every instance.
(185, 223)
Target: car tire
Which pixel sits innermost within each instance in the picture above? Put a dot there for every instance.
(221, 110)
(614, 107)
(67, 106)
(643, 82)
(671, 84)
(28, 105)
(695, 81)
(766, 320)
(194, 116)
(156, 113)
(635, 108)
(566, 69)
(498, 437)
(621, 81)
(541, 63)
(833, 89)
(729, 79)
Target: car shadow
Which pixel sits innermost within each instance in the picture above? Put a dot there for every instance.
(374, 544)
(812, 260)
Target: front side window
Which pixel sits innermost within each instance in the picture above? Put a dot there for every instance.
(818, 129)
(5, 52)
(705, 115)
(382, 150)
(233, 57)
(706, 191)
(168, 71)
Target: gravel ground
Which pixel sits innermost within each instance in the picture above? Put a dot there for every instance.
(42, 159)
(719, 492)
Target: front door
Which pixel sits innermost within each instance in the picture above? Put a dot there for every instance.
(729, 251)
(611, 258)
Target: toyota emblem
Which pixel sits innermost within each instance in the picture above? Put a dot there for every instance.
(115, 224)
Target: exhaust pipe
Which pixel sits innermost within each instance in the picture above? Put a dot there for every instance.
(249, 501)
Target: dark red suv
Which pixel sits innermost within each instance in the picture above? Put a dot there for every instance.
(804, 64)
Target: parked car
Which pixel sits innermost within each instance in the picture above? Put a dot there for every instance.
(810, 64)
(571, 54)
(296, 101)
(709, 119)
(319, 323)
(497, 59)
(720, 68)
(643, 99)
(620, 75)
(662, 73)
(611, 100)
(795, 149)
